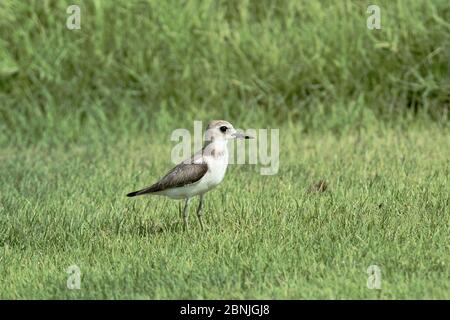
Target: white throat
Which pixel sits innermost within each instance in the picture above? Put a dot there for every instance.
(217, 149)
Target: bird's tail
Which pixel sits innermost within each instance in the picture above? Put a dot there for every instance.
(142, 191)
(133, 194)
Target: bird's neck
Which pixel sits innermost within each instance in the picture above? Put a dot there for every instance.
(216, 148)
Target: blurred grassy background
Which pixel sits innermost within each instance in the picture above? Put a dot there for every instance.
(136, 66)
(86, 117)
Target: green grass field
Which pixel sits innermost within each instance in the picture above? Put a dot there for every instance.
(86, 117)
(267, 236)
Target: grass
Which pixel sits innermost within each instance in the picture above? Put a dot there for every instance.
(267, 237)
(257, 61)
(86, 116)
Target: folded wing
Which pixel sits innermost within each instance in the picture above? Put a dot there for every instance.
(182, 175)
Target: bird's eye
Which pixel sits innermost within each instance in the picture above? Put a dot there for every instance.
(223, 128)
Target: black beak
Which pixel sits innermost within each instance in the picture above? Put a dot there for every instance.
(239, 135)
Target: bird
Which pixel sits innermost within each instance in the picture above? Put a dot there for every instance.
(202, 172)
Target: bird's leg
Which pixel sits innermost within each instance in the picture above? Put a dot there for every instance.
(186, 213)
(199, 212)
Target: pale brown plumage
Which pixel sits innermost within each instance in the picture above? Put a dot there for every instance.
(185, 173)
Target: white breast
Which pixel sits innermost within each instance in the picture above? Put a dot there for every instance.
(217, 166)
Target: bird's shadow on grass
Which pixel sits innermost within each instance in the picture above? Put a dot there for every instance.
(151, 226)
(154, 227)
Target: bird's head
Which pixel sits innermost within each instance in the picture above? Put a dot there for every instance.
(220, 130)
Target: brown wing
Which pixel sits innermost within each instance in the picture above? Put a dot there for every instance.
(183, 174)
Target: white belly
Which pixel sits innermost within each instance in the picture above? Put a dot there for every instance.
(215, 174)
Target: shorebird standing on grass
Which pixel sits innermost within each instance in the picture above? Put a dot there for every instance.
(200, 173)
